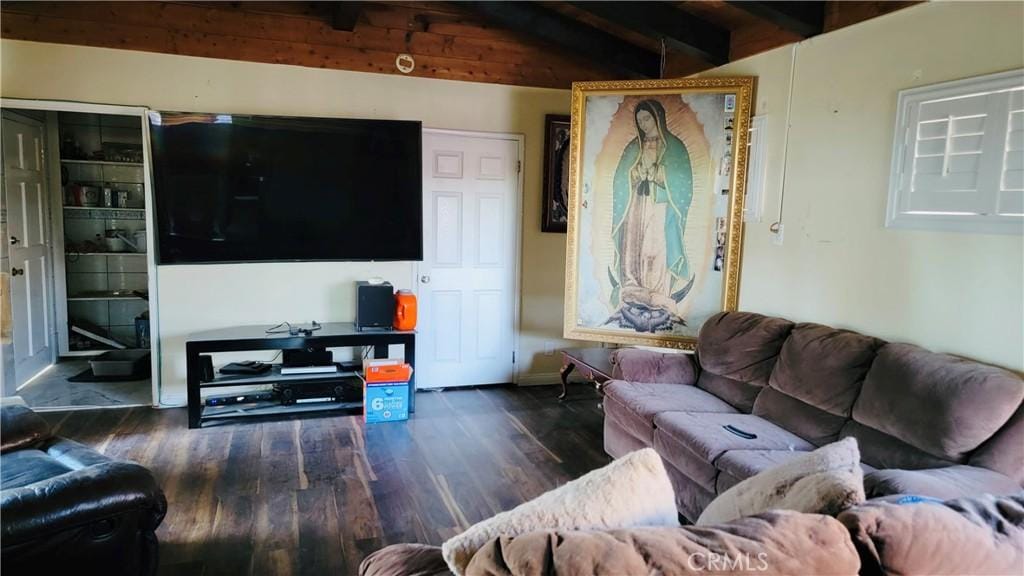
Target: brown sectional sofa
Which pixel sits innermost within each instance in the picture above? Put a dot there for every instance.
(927, 424)
(979, 535)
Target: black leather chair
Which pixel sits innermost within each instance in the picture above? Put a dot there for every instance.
(67, 509)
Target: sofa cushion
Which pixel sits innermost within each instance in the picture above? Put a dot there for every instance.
(816, 381)
(779, 542)
(943, 483)
(739, 395)
(824, 367)
(978, 535)
(618, 442)
(24, 467)
(806, 421)
(637, 365)
(883, 451)
(691, 497)
(633, 405)
(943, 405)
(742, 347)
(825, 481)
(737, 465)
(1003, 452)
(693, 441)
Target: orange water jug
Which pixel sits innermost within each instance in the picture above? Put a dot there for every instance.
(405, 310)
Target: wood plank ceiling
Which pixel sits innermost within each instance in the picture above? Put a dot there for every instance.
(547, 44)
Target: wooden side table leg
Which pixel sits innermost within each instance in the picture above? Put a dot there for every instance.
(565, 377)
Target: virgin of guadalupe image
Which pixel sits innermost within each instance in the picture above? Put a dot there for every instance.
(651, 194)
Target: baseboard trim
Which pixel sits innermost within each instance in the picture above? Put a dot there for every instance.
(173, 401)
(539, 379)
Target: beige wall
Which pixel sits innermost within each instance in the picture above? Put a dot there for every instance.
(199, 297)
(959, 293)
(952, 292)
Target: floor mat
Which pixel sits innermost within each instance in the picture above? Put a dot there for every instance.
(87, 376)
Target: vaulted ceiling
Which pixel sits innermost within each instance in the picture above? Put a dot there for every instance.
(549, 44)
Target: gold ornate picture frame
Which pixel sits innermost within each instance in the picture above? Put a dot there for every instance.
(657, 180)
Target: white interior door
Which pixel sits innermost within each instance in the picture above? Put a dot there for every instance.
(28, 218)
(466, 290)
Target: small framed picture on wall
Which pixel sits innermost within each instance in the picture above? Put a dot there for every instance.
(555, 200)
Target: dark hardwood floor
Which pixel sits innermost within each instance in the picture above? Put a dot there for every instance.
(316, 495)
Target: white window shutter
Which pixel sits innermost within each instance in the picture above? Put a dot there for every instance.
(957, 156)
(1011, 183)
(757, 166)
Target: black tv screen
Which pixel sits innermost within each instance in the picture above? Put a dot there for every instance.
(233, 188)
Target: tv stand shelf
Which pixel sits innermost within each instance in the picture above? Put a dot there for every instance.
(270, 377)
(242, 338)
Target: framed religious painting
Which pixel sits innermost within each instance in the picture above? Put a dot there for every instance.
(656, 185)
(555, 214)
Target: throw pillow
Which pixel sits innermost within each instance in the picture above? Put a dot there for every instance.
(825, 481)
(631, 491)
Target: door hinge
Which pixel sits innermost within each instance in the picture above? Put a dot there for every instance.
(519, 166)
(513, 356)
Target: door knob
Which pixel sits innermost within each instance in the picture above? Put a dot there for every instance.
(14, 240)
(425, 279)
(17, 271)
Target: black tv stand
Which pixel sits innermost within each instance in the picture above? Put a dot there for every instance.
(242, 338)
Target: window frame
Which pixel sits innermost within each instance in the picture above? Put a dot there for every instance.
(905, 138)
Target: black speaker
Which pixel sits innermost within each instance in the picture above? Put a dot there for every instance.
(205, 368)
(375, 306)
(307, 357)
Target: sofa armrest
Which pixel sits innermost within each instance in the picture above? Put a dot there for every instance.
(78, 498)
(21, 428)
(942, 483)
(978, 535)
(634, 365)
(405, 560)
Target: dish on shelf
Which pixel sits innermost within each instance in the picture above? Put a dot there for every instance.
(109, 295)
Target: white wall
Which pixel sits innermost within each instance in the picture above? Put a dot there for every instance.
(951, 292)
(193, 298)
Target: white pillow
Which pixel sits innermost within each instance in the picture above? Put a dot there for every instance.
(825, 481)
(631, 491)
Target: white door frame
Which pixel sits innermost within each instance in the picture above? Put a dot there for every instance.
(49, 233)
(57, 217)
(517, 232)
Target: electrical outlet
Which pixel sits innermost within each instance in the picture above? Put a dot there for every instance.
(549, 349)
(777, 235)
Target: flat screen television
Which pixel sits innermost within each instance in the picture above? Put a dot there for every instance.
(233, 188)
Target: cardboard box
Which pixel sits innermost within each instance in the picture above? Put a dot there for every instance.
(381, 373)
(386, 402)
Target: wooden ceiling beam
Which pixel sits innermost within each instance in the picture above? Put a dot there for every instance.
(598, 47)
(344, 15)
(682, 32)
(804, 18)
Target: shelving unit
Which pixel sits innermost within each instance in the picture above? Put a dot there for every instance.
(104, 209)
(249, 338)
(99, 295)
(104, 289)
(100, 162)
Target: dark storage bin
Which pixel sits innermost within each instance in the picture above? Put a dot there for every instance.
(120, 363)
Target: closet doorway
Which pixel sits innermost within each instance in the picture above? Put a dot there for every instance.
(78, 273)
